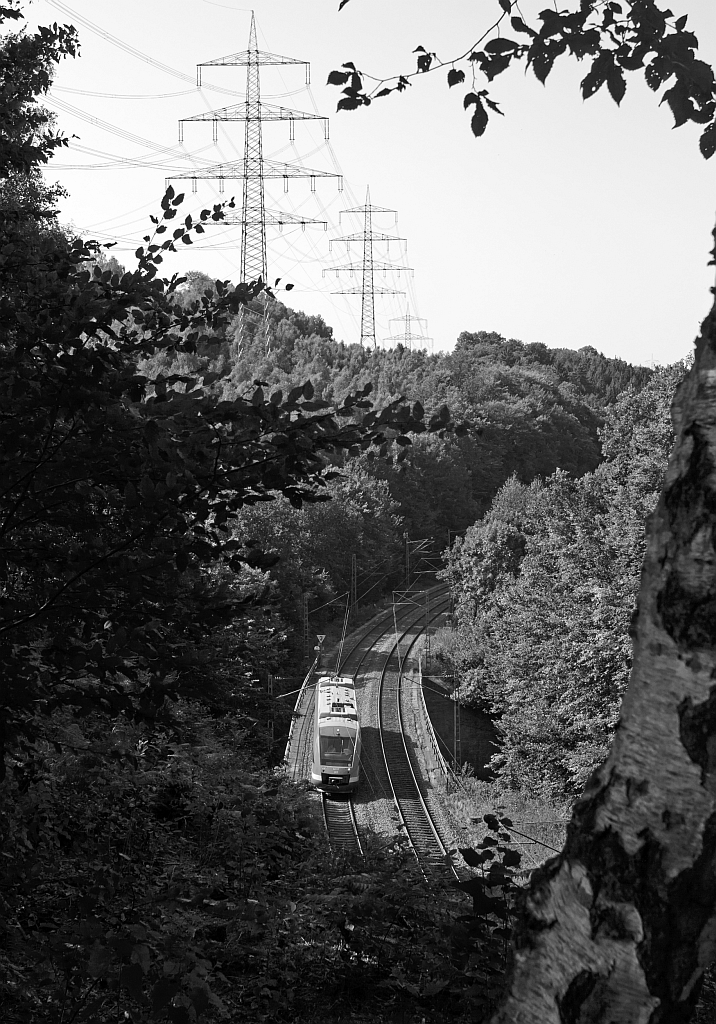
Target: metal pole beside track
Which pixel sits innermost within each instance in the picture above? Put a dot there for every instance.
(354, 589)
(306, 644)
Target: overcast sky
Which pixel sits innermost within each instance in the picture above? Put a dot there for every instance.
(568, 223)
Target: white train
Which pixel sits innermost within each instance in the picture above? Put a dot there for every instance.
(336, 736)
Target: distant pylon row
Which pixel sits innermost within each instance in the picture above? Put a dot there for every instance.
(367, 268)
(407, 337)
(253, 169)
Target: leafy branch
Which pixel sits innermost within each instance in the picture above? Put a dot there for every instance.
(615, 40)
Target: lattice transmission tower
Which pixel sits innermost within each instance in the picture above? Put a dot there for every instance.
(407, 337)
(367, 268)
(253, 169)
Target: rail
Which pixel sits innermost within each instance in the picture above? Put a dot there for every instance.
(297, 712)
(377, 625)
(414, 812)
(341, 827)
(442, 764)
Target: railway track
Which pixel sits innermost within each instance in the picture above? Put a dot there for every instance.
(340, 821)
(298, 748)
(404, 772)
(353, 657)
(400, 766)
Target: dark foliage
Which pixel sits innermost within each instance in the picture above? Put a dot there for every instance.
(614, 39)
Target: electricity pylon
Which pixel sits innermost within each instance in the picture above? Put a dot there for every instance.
(367, 290)
(253, 169)
(407, 337)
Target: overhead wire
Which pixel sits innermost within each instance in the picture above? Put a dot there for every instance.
(129, 161)
(133, 51)
(163, 95)
(343, 634)
(287, 238)
(355, 202)
(178, 153)
(107, 126)
(113, 160)
(126, 95)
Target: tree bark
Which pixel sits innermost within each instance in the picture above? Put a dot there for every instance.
(619, 928)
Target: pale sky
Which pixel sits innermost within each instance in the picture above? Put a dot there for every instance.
(569, 223)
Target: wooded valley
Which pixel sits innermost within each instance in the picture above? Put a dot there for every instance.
(184, 463)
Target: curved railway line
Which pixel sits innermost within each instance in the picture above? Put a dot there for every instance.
(365, 645)
(378, 650)
(404, 774)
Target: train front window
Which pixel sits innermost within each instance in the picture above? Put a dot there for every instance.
(336, 750)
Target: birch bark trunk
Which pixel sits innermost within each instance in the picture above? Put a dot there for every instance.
(619, 928)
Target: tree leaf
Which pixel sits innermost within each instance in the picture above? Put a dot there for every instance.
(501, 45)
(132, 978)
(541, 60)
(338, 77)
(473, 858)
(180, 1014)
(707, 142)
(519, 26)
(162, 993)
(100, 958)
(511, 858)
(597, 75)
(455, 77)
(616, 83)
(679, 102)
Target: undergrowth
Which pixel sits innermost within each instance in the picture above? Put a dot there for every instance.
(159, 874)
(538, 825)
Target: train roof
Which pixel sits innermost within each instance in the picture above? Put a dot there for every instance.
(335, 680)
(336, 700)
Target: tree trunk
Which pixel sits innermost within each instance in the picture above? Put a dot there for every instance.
(619, 928)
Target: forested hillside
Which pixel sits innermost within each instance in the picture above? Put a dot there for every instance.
(137, 623)
(545, 585)
(186, 464)
(534, 409)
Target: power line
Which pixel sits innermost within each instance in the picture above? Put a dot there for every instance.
(298, 249)
(107, 126)
(126, 95)
(115, 41)
(254, 168)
